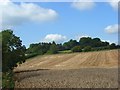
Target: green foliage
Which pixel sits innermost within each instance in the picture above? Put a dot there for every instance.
(76, 49)
(7, 80)
(87, 48)
(113, 46)
(38, 49)
(100, 48)
(85, 41)
(12, 51)
(95, 42)
(70, 44)
(60, 47)
(27, 56)
(118, 46)
(53, 49)
(65, 51)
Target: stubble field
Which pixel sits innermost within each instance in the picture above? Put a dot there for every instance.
(75, 70)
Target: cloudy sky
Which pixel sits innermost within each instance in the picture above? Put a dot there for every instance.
(60, 21)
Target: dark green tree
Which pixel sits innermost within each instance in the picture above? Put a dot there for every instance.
(53, 48)
(13, 52)
(113, 46)
(85, 41)
(96, 42)
(105, 43)
(60, 47)
(70, 44)
(38, 49)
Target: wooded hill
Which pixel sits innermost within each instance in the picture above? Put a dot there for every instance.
(85, 44)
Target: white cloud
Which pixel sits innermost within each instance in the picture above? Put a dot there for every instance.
(16, 14)
(114, 3)
(82, 5)
(54, 37)
(112, 29)
(89, 4)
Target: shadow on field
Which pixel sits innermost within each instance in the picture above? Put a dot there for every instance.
(20, 76)
(30, 70)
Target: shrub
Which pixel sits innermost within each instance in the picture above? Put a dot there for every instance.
(31, 55)
(87, 48)
(113, 46)
(53, 49)
(76, 49)
(7, 80)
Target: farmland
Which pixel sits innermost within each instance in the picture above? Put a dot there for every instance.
(74, 70)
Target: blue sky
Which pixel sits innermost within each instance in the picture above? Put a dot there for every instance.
(68, 21)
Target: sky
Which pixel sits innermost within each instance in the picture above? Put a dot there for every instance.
(36, 22)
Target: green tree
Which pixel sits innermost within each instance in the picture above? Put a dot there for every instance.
(70, 44)
(96, 42)
(13, 52)
(76, 49)
(60, 47)
(38, 49)
(53, 49)
(85, 41)
(105, 43)
(113, 46)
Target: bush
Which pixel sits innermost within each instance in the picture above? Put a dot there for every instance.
(53, 49)
(100, 48)
(52, 52)
(113, 46)
(31, 55)
(76, 49)
(7, 80)
(87, 48)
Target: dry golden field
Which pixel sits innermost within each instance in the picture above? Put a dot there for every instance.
(75, 70)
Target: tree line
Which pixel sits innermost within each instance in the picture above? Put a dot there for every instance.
(83, 45)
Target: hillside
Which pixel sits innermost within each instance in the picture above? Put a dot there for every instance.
(75, 70)
(101, 59)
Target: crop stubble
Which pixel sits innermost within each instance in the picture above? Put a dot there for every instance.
(75, 70)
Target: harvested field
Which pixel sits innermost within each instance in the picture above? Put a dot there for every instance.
(75, 70)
